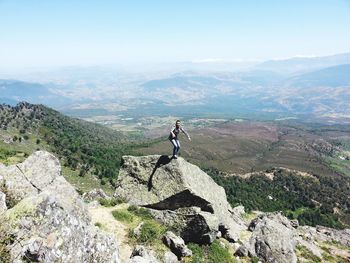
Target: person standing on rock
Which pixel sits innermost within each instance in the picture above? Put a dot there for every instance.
(174, 139)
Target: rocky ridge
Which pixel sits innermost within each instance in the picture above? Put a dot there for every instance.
(44, 219)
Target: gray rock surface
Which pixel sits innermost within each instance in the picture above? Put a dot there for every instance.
(273, 239)
(3, 206)
(176, 245)
(180, 192)
(38, 173)
(137, 230)
(170, 257)
(48, 222)
(94, 194)
(321, 233)
(241, 251)
(140, 254)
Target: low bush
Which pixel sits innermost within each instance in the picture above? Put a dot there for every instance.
(122, 215)
(140, 211)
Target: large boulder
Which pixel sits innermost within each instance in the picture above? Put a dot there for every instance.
(40, 172)
(44, 231)
(272, 239)
(46, 220)
(140, 254)
(176, 245)
(176, 189)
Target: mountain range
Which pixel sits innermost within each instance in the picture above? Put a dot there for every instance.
(314, 88)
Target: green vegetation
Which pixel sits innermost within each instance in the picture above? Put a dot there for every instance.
(86, 149)
(302, 251)
(5, 154)
(98, 224)
(198, 253)
(123, 216)
(213, 253)
(140, 212)
(109, 202)
(150, 232)
(307, 199)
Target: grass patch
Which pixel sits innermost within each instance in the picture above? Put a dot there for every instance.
(150, 233)
(140, 212)
(84, 183)
(123, 215)
(198, 255)
(302, 251)
(213, 253)
(109, 202)
(217, 253)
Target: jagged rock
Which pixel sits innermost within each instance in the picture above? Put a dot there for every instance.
(40, 172)
(294, 223)
(275, 216)
(170, 257)
(47, 220)
(321, 233)
(176, 245)
(241, 251)
(142, 255)
(49, 233)
(94, 194)
(227, 233)
(238, 210)
(181, 192)
(137, 230)
(3, 206)
(272, 239)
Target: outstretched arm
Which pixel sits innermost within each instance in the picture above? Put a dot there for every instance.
(188, 136)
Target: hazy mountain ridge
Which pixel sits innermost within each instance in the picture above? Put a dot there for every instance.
(321, 92)
(298, 65)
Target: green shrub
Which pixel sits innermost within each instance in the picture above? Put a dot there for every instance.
(108, 202)
(150, 232)
(198, 255)
(122, 215)
(98, 224)
(218, 253)
(140, 211)
(213, 253)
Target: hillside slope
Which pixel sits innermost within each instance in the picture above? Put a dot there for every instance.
(86, 149)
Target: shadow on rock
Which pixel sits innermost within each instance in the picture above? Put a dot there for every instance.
(163, 160)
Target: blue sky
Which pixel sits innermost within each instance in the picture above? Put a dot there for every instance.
(79, 32)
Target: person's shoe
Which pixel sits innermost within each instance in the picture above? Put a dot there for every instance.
(175, 156)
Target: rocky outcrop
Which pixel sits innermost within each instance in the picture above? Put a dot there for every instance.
(94, 195)
(46, 220)
(170, 257)
(3, 206)
(181, 193)
(142, 255)
(324, 234)
(176, 245)
(272, 239)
